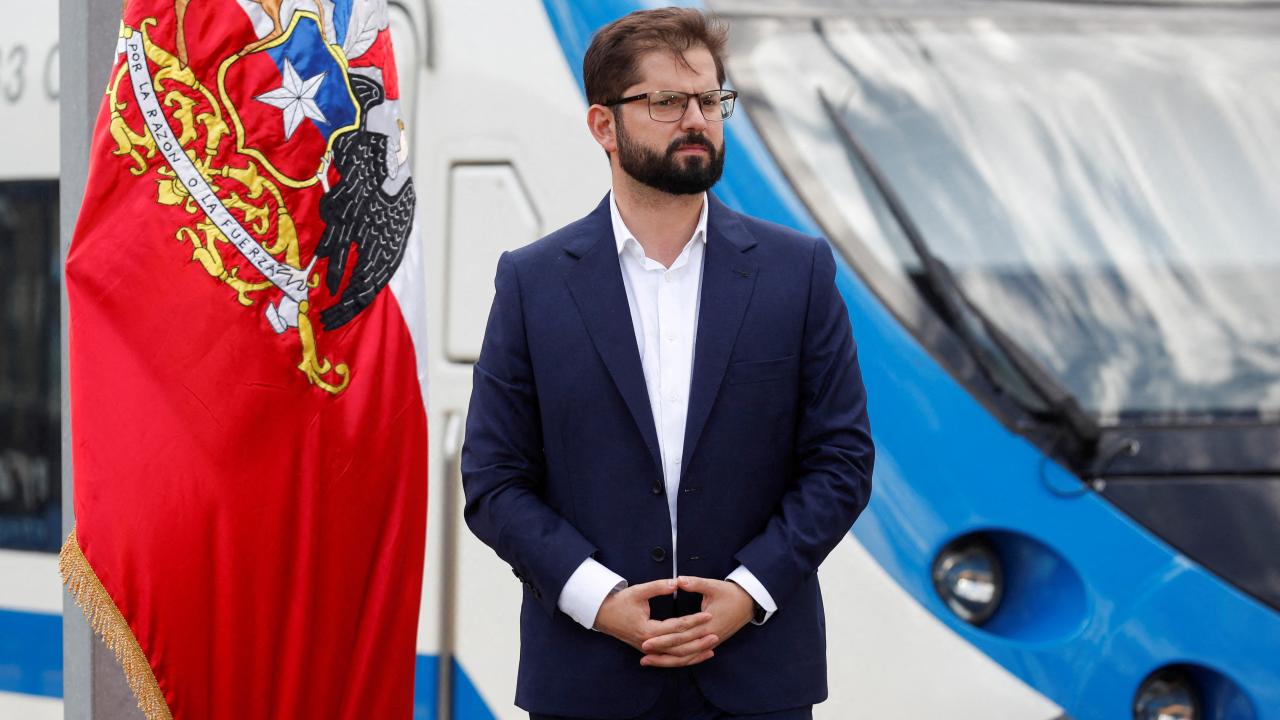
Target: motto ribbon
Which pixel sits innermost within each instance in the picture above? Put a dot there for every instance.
(292, 281)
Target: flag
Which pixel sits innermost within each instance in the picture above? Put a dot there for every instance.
(248, 428)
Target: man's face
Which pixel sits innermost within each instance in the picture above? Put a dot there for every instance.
(681, 158)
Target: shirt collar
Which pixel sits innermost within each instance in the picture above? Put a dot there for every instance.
(621, 234)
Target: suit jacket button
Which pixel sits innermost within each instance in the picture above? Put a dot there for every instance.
(657, 488)
(658, 554)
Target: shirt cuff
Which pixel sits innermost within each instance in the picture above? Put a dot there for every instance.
(585, 590)
(747, 581)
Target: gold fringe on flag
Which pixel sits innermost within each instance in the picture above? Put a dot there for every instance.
(105, 619)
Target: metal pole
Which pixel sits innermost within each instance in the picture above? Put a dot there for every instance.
(453, 429)
(94, 687)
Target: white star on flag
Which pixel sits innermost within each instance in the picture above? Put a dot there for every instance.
(296, 98)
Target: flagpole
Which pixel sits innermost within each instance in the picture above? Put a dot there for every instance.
(94, 687)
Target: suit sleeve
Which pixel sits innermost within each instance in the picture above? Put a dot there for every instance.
(503, 466)
(833, 454)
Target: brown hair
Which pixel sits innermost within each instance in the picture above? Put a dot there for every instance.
(610, 65)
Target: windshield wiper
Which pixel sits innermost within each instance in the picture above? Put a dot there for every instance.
(1006, 364)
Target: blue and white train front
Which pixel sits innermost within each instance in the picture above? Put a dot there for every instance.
(1059, 224)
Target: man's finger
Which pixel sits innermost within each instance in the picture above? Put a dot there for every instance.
(653, 588)
(664, 643)
(675, 661)
(690, 627)
(684, 623)
(691, 644)
(693, 583)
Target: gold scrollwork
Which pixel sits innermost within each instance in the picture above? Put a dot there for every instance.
(242, 187)
(313, 366)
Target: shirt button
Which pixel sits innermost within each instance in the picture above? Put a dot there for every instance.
(677, 461)
(667, 278)
(658, 554)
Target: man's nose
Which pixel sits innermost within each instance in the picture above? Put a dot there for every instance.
(693, 119)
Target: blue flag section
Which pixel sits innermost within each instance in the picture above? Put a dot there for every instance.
(294, 93)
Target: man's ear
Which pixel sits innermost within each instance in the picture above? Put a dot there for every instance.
(603, 127)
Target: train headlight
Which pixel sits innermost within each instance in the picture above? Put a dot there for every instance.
(1167, 695)
(968, 577)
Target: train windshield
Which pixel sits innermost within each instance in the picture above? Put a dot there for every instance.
(1106, 190)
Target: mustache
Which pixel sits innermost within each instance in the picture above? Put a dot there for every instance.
(691, 139)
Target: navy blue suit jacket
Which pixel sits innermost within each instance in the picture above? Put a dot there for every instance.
(561, 460)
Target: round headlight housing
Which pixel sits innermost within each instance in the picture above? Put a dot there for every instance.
(967, 575)
(1167, 694)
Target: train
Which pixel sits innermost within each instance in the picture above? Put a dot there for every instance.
(1057, 230)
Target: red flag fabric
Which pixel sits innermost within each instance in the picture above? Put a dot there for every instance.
(247, 416)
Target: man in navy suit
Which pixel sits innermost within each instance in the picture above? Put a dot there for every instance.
(668, 428)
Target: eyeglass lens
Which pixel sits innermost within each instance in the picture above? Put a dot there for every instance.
(669, 106)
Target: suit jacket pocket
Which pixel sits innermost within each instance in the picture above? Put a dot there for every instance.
(754, 371)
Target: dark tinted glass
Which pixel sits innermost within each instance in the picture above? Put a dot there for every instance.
(30, 397)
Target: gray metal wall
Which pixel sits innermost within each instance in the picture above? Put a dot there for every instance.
(93, 683)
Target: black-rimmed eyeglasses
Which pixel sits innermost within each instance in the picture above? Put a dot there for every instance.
(670, 105)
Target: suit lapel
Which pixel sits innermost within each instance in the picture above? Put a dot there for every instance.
(728, 278)
(595, 282)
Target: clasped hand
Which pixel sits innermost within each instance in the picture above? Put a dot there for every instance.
(679, 641)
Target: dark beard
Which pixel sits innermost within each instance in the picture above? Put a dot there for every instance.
(665, 172)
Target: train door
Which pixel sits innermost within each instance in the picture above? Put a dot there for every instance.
(501, 157)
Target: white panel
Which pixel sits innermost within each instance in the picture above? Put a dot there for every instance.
(29, 707)
(489, 212)
(888, 657)
(29, 582)
(29, 92)
(488, 624)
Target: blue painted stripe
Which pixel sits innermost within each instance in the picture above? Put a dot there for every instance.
(31, 653)
(467, 703)
(31, 664)
(425, 686)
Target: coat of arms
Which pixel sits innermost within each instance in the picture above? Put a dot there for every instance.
(291, 164)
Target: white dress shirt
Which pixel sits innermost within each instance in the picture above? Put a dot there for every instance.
(664, 314)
